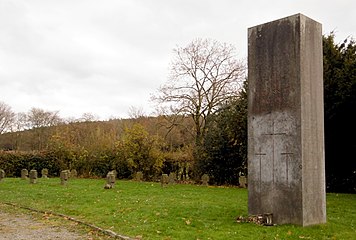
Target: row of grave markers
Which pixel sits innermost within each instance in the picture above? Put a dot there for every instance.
(110, 177)
(33, 175)
(170, 178)
(165, 179)
(64, 176)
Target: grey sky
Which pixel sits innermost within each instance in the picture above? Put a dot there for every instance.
(102, 57)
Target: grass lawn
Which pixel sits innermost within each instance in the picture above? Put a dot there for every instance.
(146, 210)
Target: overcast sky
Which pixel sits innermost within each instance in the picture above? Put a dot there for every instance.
(102, 57)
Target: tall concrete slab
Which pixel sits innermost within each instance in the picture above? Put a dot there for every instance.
(286, 166)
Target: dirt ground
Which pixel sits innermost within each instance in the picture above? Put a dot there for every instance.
(16, 225)
(21, 227)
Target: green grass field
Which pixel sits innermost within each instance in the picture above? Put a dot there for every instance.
(175, 212)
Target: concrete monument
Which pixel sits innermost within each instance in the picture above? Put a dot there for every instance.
(286, 167)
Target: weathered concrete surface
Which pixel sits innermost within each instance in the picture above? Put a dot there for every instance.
(286, 169)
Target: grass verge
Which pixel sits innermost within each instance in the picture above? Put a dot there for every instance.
(148, 211)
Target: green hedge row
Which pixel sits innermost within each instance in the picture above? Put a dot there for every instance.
(13, 162)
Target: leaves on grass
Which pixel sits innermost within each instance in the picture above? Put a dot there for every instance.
(46, 216)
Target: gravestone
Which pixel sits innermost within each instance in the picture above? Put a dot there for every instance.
(110, 180)
(73, 173)
(205, 179)
(172, 178)
(69, 173)
(33, 176)
(286, 167)
(44, 173)
(24, 174)
(2, 174)
(164, 180)
(114, 172)
(138, 177)
(64, 176)
(243, 181)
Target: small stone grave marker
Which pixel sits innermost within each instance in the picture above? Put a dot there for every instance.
(64, 176)
(172, 178)
(243, 181)
(2, 174)
(114, 172)
(138, 177)
(110, 180)
(24, 174)
(44, 173)
(205, 179)
(33, 176)
(73, 173)
(164, 180)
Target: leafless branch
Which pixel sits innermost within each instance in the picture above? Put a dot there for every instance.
(204, 75)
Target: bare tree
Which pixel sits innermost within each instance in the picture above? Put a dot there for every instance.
(204, 75)
(88, 117)
(20, 122)
(136, 112)
(37, 118)
(7, 117)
